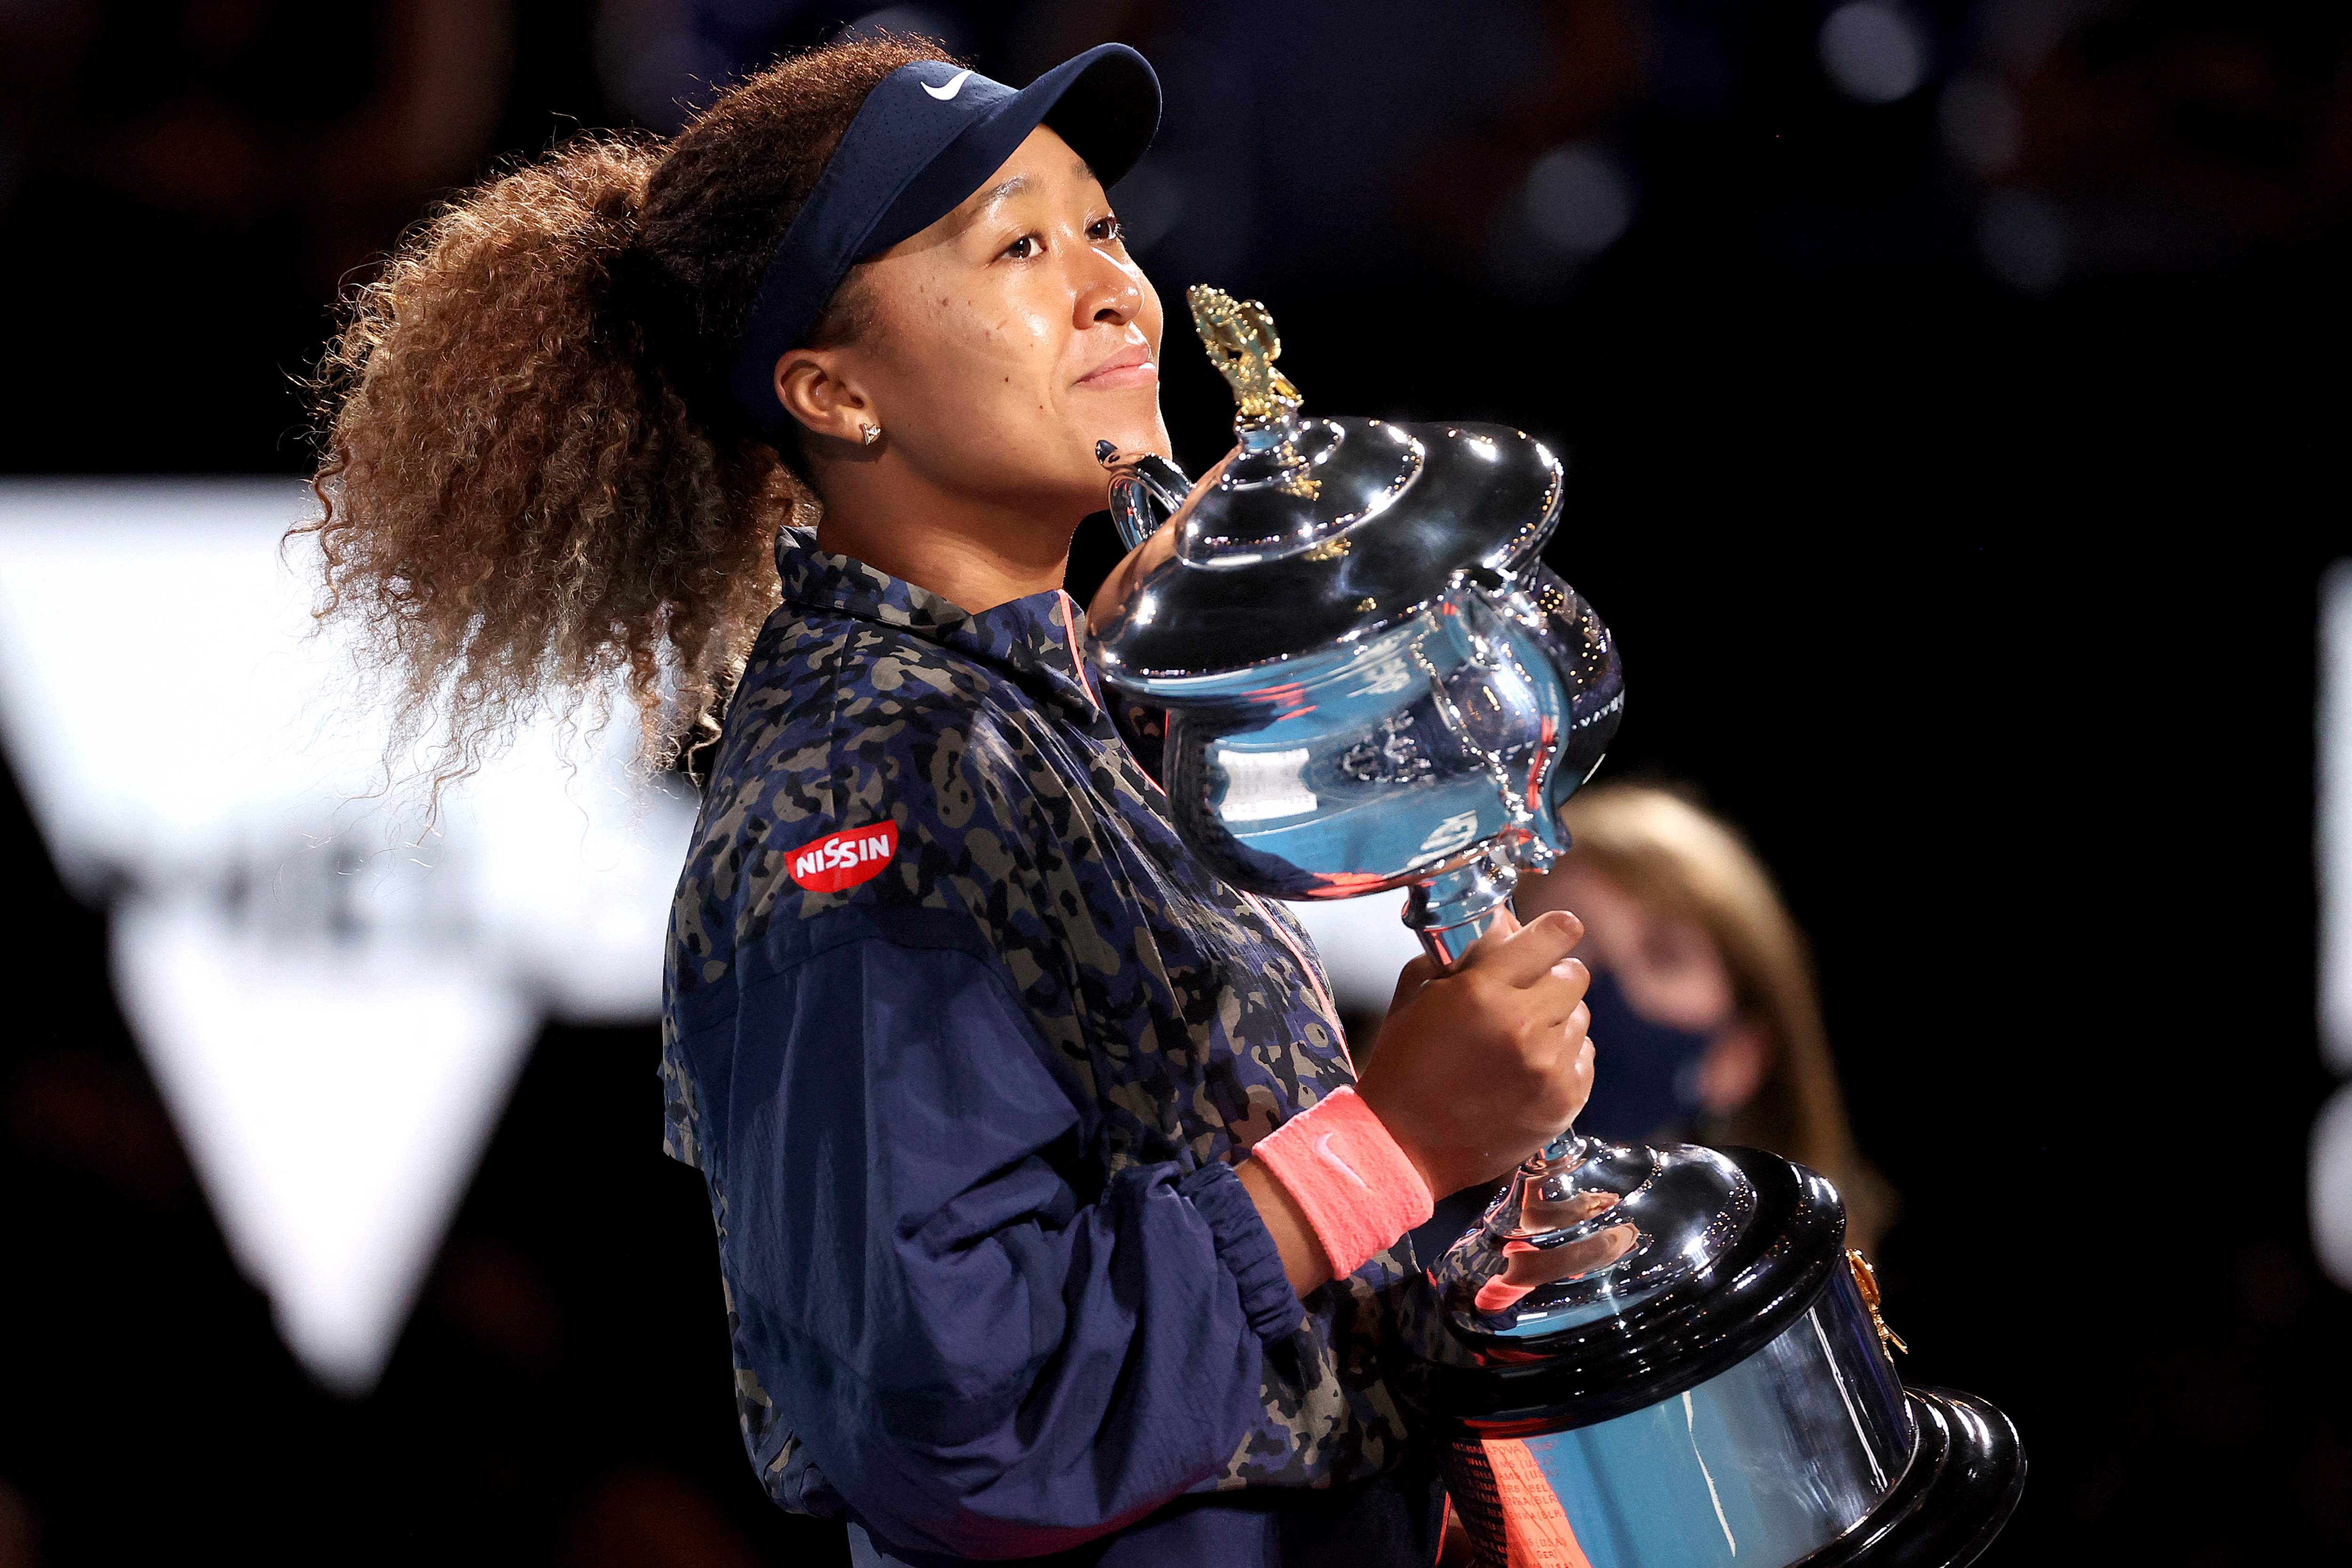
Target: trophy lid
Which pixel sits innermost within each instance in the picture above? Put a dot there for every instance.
(1313, 530)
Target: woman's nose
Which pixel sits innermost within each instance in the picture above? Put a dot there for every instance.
(1108, 293)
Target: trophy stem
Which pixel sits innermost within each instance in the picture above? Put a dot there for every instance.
(1450, 912)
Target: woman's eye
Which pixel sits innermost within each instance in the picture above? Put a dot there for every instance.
(1676, 948)
(1024, 248)
(1103, 230)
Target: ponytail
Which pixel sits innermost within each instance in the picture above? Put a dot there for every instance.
(528, 499)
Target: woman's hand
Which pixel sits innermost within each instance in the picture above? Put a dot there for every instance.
(1479, 1066)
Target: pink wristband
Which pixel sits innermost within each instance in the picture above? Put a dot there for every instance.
(1357, 1188)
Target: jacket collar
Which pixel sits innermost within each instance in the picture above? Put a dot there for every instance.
(1036, 639)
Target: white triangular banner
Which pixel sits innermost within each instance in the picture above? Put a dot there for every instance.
(334, 1016)
(333, 1099)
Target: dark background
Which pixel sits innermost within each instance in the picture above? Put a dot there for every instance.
(1955, 471)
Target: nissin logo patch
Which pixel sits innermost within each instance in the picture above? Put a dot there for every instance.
(844, 859)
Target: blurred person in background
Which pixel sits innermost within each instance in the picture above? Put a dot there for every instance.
(1051, 1211)
(1704, 1014)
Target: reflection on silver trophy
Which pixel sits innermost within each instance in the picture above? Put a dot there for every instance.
(1640, 1357)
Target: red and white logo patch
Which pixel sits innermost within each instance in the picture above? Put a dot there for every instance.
(844, 859)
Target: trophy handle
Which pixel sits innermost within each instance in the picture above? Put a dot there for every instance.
(1146, 489)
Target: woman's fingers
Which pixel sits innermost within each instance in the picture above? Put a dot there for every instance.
(1411, 978)
(1558, 994)
(1524, 955)
(1475, 1058)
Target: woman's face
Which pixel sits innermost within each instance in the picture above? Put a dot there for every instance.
(1667, 963)
(1002, 342)
(1670, 970)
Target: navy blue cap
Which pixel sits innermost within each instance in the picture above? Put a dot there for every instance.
(926, 137)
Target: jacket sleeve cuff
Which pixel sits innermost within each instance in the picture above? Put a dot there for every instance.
(1356, 1187)
(1245, 1248)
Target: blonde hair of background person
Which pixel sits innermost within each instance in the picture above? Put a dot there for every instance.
(1681, 863)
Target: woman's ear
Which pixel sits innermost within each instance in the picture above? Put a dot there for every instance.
(810, 386)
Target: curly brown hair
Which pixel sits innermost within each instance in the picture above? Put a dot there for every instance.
(532, 487)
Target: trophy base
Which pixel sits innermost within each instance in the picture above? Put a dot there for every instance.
(1959, 1489)
(1743, 1414)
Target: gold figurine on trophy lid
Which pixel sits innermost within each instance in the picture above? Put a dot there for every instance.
(1242, 344)
(1240, 337)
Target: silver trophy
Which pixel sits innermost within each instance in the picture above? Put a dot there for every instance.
(1639, 1357)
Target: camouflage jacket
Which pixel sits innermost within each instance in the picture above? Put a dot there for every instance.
(964, 1043)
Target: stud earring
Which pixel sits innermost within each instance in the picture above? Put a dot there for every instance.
(869, 433)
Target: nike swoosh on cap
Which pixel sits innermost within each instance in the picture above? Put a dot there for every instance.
(954, 86)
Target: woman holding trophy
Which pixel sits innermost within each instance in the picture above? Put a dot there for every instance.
(1053, 1219)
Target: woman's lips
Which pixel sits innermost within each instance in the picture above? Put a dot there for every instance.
(1132, 366)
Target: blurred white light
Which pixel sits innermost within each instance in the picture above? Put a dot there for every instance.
(1362, 943)
(1873, 52)
(2331, 1187)
(333, 1013)
(2331, 1138)
(1579, 200)
(2023, 239)
(2335, 825)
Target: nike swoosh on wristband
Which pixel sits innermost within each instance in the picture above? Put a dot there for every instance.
(954, 86)
(1323, 1147)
